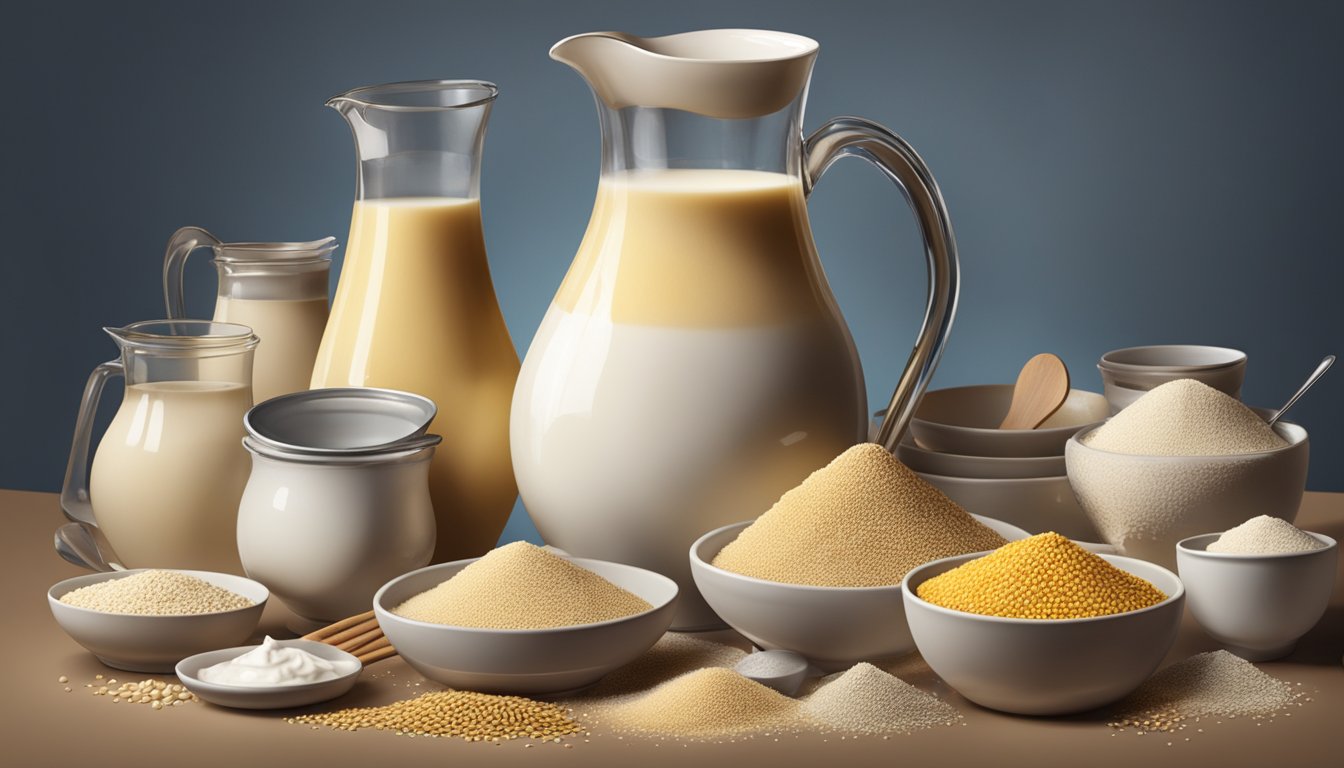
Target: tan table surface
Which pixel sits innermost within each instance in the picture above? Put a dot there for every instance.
(41, 724)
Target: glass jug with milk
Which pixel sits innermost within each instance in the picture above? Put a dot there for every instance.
(693, 364)
(168, 474)
(279, 290)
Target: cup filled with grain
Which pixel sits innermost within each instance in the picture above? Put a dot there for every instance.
(1184, 459)
(523, 619)
(819, 573)
(1260, 586)
(1042, 626)
(147, 620)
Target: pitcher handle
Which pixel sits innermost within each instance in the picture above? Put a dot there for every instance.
(75, 491)
(180, 246)
(853, 136)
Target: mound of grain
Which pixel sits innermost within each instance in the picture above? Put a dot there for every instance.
(704, 704)
(522, 586)
(156, 593)
(1042, 577)
(1213, 684)
(864, 699)
(1265, 535)
(675, 654)
(462, 714)
(1185, 418)
(863, 520)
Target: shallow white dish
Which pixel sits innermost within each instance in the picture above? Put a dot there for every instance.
(978, 467)
(1036, 504)
(834, 627)
(268, 697)
(965, 420)
(156, 643)
(1119, 491)
(525, 661)
(1257, 605)
(1041, 667)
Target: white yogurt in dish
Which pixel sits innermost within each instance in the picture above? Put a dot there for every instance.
(271, 664)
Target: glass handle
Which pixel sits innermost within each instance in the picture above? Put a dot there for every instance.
(856, 137)
(180, 246)
(75, 490)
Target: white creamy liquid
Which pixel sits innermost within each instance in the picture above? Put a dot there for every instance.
(168, 475)
(631, 441)
(290, 331)
(272, 664)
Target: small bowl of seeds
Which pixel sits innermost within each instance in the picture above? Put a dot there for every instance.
(147, 620)
(1042, 626)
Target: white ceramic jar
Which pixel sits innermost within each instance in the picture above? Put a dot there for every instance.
(324, 532)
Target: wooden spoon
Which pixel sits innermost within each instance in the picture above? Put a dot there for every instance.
(1042, 387)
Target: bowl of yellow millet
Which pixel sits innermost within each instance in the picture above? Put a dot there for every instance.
(1042, 626)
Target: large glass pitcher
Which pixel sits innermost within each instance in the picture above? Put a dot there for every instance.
(279, 290)
(415, 308)
(693, 364)
(169, 472)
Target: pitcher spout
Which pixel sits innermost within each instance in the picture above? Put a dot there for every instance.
(720, 73)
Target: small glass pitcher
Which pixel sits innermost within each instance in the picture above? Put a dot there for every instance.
(165, 482)
(279, 290)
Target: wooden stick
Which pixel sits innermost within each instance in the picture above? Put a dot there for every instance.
(327, 631)
(357, 641)
(353, 632)
(378, 655)
(376, 645)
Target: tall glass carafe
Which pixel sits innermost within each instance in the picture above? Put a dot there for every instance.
(168, 474)
(415, 308)
(279, 290)
(694, 365)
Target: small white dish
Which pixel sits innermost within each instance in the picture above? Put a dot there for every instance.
(833, 627)
(525, 661)
(1044, 667)
(273, 696)
(156, 643)
(1257, 605)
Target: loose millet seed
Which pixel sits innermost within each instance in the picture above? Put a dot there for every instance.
(522, 586)
(62, 679)
(155, 593)
(463, 714)
(863, 520)
(1042, 577)
(1185, 418)
(1216, 683)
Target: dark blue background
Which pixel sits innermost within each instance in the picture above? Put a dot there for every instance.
(1118, 173)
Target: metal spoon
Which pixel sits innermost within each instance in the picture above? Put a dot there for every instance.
(76, 544)
(1312, 379)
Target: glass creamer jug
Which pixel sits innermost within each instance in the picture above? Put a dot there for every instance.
(693, 364)
(279, 290)
(168, 474)
(415, 308)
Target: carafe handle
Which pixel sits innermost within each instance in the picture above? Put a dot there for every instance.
(180, 246)
(856, 137)
(75, 490)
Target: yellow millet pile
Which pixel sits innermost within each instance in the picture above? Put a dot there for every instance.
(522, 586)
(864, 520)
(1043, 577)
(705, 703)
(156, 593)
(466, 715)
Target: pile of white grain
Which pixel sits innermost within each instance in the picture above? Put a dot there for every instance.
(1208, 685)
(1265, 535)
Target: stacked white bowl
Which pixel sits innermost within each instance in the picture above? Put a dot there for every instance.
(1013, 475)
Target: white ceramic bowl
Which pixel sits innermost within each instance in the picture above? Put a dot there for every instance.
(1044, 667)
(268, 697)
(980, 467)
(1257, 605)
(1143, 505)
(834, 627)
(1171, 358)
(1035, 505)
(965, 420)
(525, 661)
(339, 420)
(156, 643)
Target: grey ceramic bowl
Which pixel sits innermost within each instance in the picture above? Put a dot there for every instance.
(1044, 667)
(1034, 504)
(834, 627)
(339, 419)
(525, 661)
(1120, 492)
(1126, 374)
(965, 420)
(1257, 605)
(978, 467)
(268, 697)
(156, 643)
